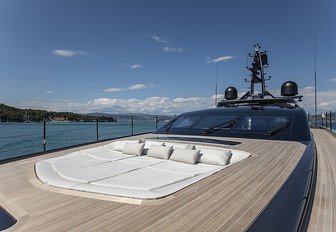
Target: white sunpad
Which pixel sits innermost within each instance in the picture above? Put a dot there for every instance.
(104, 154)
(144, 179)
(140, 162)
(74, 160)
(186, 168)
(96, 172)
(102, 170)
(106, 170)
(49, 176)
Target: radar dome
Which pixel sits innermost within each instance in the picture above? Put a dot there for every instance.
(231, 93)
(289, 89)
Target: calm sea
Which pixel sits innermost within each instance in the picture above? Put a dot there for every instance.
(17, 139)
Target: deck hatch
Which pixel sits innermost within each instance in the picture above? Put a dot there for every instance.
(6, 220)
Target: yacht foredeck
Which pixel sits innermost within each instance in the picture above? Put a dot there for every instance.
(228, 200)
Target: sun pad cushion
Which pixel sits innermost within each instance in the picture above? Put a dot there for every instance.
(133, 148)
(148, 144)
(161, 152)
(185, 155)
(119, 146)
(180, 145)
(214, 156)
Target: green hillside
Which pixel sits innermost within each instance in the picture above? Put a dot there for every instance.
(12, 114)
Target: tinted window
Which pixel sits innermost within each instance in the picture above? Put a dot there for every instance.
(261, 122)
(212, 121)
(185, 122)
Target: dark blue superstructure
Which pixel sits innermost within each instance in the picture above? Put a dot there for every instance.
(297, 130)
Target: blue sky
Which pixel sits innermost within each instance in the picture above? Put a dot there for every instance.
(153, 56)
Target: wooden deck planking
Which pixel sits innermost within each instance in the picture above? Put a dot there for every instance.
(323, 217)
(201, 204)
(230, 199)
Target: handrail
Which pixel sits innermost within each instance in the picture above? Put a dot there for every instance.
(27, 140)
(12, 159)
(324, 120)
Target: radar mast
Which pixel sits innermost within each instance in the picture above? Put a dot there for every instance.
(259, 63)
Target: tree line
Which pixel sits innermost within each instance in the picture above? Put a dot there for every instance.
(12, 114)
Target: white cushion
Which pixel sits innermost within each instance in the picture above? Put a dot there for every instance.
(148, 144)
(180, 145)
(121, 144)
(161, 152)
(214, 156)
(133, 148)
(185, 155)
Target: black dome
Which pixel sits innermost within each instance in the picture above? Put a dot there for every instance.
(289, 89)
(231, 93)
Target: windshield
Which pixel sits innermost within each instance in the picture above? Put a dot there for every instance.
(269, 123)
(199, 122)
(224, 124)
(261, 123)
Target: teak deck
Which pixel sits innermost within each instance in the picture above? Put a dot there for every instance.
(323, 217)
(228, 200)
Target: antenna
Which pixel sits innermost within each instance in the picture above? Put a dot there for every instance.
(259, 63)
(216, 87)
(289, 89)
(315, 85)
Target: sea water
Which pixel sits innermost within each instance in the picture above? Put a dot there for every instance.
(18, 139)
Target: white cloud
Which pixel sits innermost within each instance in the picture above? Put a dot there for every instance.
(110, 90)
(132, 87)
(165, 105)
(67, 53)
(140, 86)
(48, 92)
(135, 66)
(219, 59)
(309, 88)
(170, 49)
(150, 105)
(332, 79)
(190, 99)
(159, 39)
(325, 100)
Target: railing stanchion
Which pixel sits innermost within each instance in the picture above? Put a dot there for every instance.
(132, 126)
(97, 129)
(330, 121)
(326, 117)
(156, 122)
(44, 135)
